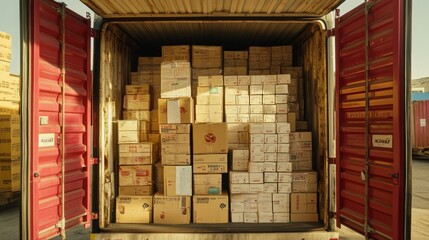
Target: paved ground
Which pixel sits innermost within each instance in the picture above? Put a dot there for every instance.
(9, 216)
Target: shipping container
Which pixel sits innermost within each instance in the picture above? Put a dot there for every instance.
(420, 128)
(356, 77)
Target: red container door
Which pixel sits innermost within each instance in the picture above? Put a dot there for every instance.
(371, 97)
(59, 118)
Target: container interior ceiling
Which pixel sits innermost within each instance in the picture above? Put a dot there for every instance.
(123, 42)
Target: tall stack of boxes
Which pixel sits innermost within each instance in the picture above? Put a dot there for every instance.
(210, 161)
(261, 194)
(10, 153)
(206, 61)
(136, 158)
(172, 204)
(281, 56)
(304, 180)
(209, 106)
(259, 60)
(10, 135)
(235, 63)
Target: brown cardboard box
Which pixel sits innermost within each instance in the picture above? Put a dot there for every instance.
(176, 110)
(210, 163)
(303, 203)
(171, 209)
(207, 184)
(304, 217)
(175, 128)
(304, 181)
(179, 52)
(136, 190)
(11, 107)
(176, 159)
(137, 115)
(197, 72)
(206, 56)
(210, 209)
(135, 175)
(128, 137)
(5, 47)
(137, 89)
(134, 209)
(150, 60)
(10, 137)
(178, 180)
(210, 138)
(137, 102)
(136, 154)
(281, 202)
(175, 79)
(9, 87)
(10, 175)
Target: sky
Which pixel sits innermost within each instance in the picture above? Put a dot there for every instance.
(9, 23)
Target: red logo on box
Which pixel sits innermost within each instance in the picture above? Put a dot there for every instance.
(210, 138)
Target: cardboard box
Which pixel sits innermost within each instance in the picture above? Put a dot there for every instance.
(235, 55)
(300, 156)
(179, 52)
(284, 187)
(137, 89)
(250, 217)
(136, 175)
(281, 217)
(256, 118)
(238, 70)
(284, 167)
(284, 177)
(175, 79)
(283, 138)
(300, 137)
(135, 190)
(281, 202)
(270, 148)
(137, 102)
(262, 128)
(236, 188)
(175, 148)
(305, 165)
(281, 99)
(5, 47)
(171, 209)
(230, 80)
(239, 165)
(270, 188)
(134, 209)
(265, 217)
(304, 217)
(136, 154)
(176, 159)
(305, 181)
(255, 89)
(256, 167)
(211, 209)
(175, 128)
(269, 109)
(237, 217)
(150, 60)
(270, 157)
(10, 137)
(210, 138)
(210, 163)
(207, 184)
(238, 177)
(178, 180)
(256, 188)
(270, 166)
(176, 110)
(197, 72)
(303, 202)
(137, 115)
(206, 56)
(283, 128)
(210, 81)
(10, 175)
(128, 137)
(300, 146)
(270, 177)
(256, 177)
(256, 109)
(243, 80)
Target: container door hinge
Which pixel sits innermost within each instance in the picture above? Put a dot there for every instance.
(94, 215)
(94, 161)
(331, 214)
(95, 33)
(330, 32)
(395, 178)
